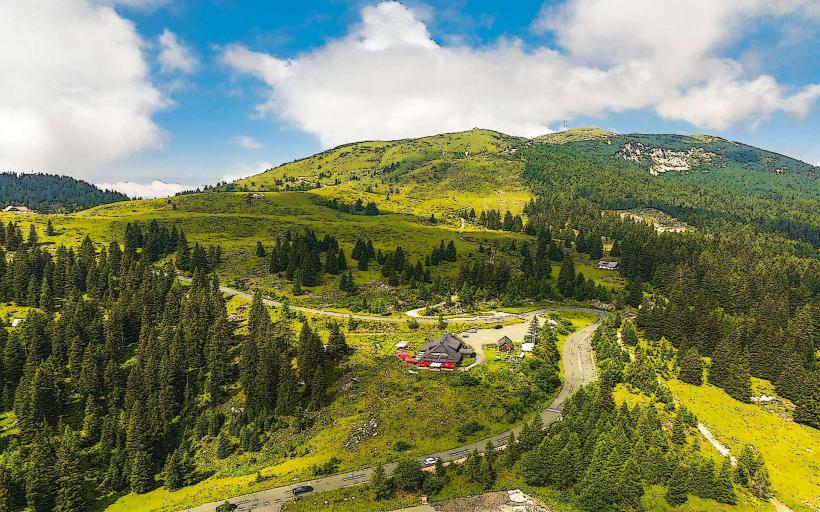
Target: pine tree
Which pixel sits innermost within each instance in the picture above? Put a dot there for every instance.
(381, 485)
(678, 489)
(337, 347)
(6, 497)
(721, 359)
(260, 250)
(628, 484)
(724, 491)
(739, 381)
(691, 367)
(49, 228)
(70, 497)
(172, 472)
(224, 446)
(41, 475)
(634, 292)
(566, 277)
(679, 430)
(629, 334)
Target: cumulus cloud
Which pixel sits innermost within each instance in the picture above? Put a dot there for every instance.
(388, 78)
(246, 142)
(244, 170)
(151, 190)
(75, 90)
(174, 55)
(144, 5)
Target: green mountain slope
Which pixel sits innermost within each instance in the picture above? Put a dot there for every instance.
(441, 174)
(697, 177)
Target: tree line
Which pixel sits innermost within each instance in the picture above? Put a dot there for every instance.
(47, 193)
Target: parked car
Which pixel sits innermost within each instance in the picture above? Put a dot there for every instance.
(302, 489)
(473, 330)
(429, 461)
(497, 326)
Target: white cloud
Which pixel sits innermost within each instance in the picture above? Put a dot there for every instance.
(388, 78)
(247, 142)
(719, 105)
(143, 5)
(154, 189)
(74, 91)
(174, 55)
(245, 170)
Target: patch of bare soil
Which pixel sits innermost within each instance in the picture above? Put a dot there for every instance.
(502, 501)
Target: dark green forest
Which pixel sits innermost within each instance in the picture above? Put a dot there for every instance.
(50, 193)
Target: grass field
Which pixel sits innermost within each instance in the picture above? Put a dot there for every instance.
(228, 219)
(9, 311)
(789, 449)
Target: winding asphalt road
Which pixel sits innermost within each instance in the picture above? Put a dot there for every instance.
(579, 370)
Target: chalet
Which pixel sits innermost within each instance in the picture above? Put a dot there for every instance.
(607, 265)
(446, 350)
(16, 209)
(505, 344)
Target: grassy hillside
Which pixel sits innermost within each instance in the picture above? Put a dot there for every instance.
(441, 174)
(236, 222)
(695, 177)
(790, 449)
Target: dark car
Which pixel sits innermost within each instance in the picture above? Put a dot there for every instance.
(302, 489)
(497, 326)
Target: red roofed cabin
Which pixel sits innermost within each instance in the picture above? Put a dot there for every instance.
(446, 352)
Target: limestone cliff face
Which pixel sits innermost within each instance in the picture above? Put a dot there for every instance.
(664, 160)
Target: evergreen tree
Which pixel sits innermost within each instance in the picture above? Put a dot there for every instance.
(70, 497)
(724, 491)
(381, 485)
(566, 277)
(678, 489)
(634, 292)
(408, 476)
(6, 497)
(629, 334)
(172, 472)
(41, 475)
(691, 367)
(738, 381)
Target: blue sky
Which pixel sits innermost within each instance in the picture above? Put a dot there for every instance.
(193, 92)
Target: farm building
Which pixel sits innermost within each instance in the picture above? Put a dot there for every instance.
(447, 349)
(16, 209)
(608, 265)
(505, 344)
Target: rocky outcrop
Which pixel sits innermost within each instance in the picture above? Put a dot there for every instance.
(662, 160)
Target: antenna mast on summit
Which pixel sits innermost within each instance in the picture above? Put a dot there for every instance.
(564, 125)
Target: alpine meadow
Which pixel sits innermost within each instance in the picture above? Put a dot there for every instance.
(531, 319)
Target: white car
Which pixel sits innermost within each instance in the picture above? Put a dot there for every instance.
(473, 331)
(429, 461)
